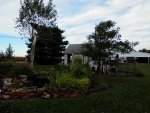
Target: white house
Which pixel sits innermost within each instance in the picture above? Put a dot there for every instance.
(74, 50)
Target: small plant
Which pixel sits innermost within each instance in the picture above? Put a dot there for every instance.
(60, 68)
(78, 69)
(52, 77)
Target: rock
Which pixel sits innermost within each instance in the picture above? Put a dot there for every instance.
(44, 88)
(32, 95)
(7, 82)
(20, 90)
(73, 94)
(55, 96)
(41, 89)
(6, 97)
(46, 95)
(23, 77)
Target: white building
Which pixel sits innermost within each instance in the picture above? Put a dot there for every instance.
(74, 50)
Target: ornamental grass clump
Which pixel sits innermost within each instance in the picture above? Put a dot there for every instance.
(78, 69)
(76, 79)
(72, 83)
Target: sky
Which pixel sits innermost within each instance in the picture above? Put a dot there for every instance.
(78, 19)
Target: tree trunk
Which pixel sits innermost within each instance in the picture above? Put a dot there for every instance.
(32, 53)
(98, 69)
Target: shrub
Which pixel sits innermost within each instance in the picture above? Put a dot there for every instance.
(78, 69)
(75, 80)
(79, 85)
(60, 68)
(52, 77)
(5, 67)
(19, 69)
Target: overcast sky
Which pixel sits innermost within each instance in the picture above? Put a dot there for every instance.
(78, 18)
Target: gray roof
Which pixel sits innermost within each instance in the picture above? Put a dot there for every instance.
(73, 49)
(135, 54)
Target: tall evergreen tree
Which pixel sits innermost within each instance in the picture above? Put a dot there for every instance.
(2, 56)
(34, 12)
(50, 45)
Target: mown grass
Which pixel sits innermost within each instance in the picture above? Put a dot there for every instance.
(42, 69)
(127, 95)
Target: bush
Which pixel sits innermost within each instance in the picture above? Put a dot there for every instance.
(60, 68)
(79, 85)
(19, 69)
(77, 79)
(52, 77)
(5, 67)
(78, 69)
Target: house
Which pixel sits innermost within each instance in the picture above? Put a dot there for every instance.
(74, 50)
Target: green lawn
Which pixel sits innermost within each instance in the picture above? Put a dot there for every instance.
(128, 95)
(41, 69)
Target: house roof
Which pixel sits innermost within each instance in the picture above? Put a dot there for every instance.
(76, 49)
(73, 49)
(135, 54)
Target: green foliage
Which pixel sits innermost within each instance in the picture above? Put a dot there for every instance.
(78, 69)
(105, 41)
(144, 50)
(2, 56)
(72, 81)
(79, 85)
(5, 67)
(50, 45)
(128, 95)
(42, 68)
(52, 77)
(19, 69)
(130, 68)
(77, 61)
(55, 73)
(9, 52)
(33, 12)
(138, 72)
(11, 69)
(60, 68)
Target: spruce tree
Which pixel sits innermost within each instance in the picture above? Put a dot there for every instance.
(9, 52)
(49, 46)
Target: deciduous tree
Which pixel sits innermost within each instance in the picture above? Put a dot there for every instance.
(34, 12)
(105, 41)
(144, 50)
